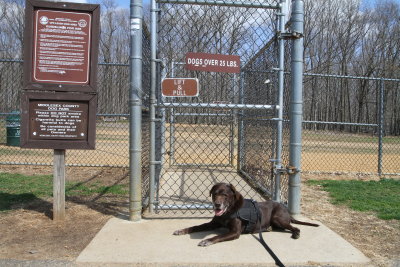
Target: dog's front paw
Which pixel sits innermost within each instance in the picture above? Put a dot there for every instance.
(180, 232)
(205, 243)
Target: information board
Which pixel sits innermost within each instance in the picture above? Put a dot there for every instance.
(58, 121)
(61, 47)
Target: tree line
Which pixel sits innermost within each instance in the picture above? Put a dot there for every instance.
(341, 38)
(345, 39)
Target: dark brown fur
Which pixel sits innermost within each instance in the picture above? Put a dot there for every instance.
(227, 201)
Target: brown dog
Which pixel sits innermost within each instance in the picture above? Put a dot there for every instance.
(242, 216)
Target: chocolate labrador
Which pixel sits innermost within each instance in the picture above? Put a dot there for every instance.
(241, 215)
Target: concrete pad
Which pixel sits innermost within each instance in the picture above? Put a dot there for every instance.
(151, 243)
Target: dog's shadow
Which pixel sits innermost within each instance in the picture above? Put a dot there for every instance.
(204, 234)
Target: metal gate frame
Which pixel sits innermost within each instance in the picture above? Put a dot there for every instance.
(296, 34)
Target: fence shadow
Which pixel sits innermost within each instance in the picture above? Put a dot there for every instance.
(29, 201)
(102, 202)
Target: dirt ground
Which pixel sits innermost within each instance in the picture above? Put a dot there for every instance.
(28, 231)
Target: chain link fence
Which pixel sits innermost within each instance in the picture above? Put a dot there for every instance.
(348, 126)
(329, 142)
(227, 132)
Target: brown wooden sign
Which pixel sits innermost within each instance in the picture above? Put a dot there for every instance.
(61, 46)
(212, 62)
(180, 87)
(58, 121)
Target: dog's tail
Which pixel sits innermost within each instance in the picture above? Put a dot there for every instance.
(303, 223)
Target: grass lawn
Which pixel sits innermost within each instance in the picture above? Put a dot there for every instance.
(18, 189)
(381, 197)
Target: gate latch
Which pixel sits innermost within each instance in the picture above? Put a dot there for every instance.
(292, 170)
(290, 35)
(288, 170)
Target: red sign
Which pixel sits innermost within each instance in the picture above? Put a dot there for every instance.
(180, 87)
(61, 47)
(212, 62)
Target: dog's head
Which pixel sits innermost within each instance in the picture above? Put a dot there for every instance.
(225, 199)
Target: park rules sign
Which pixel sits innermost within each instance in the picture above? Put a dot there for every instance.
(59, 124)
(61, 47)
(59, 96)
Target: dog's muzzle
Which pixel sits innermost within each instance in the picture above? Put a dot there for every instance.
(220, 209)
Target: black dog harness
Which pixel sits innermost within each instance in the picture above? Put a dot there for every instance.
(250, 214)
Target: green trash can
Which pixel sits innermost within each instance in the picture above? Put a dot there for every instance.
(13, 126)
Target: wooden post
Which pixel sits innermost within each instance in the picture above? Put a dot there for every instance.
(59, 185)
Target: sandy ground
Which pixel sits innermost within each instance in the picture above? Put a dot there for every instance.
(28, 231)
(216, 144)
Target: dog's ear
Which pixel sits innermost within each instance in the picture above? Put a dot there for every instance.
(238, 198)
(213, 189)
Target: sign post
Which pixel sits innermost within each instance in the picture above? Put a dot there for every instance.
(59, 98)
(59, 185)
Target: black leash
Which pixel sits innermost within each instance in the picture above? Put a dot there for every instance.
(261, 239)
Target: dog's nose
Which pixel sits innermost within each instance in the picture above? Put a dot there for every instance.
(217, 205)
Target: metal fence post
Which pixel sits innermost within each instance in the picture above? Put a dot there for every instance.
(240, 151)
(279, 127)
(296, 106)
(153, 102)
(135, 109)
(172, 124)
(380, 125)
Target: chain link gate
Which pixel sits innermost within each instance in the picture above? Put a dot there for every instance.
(232, 131)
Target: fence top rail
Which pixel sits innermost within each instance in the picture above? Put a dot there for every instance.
(212, 105)
(342, 123)
(245, 70)
(11, 60)
(232, 3)
(351, 77)
(326, 75)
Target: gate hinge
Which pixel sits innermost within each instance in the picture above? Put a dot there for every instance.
(290, 35)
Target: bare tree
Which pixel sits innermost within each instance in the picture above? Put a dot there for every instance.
(12, 28)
